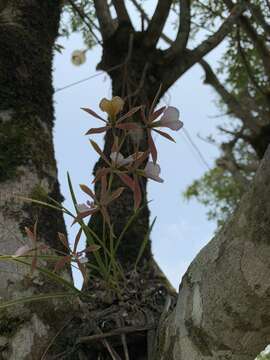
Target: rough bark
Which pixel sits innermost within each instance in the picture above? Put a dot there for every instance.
(27, 167)
(223, 304)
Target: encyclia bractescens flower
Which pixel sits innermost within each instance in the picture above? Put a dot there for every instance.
(98, 204)
(169, 119)
(152, 171)
(113, 108)
(119, 160)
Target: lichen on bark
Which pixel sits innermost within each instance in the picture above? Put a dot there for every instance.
(27, 165)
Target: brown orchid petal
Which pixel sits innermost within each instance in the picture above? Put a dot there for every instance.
(127, 180)
(63, 239)
(115, 147)
(141, 159)
(129, 114)
(116, 194)
(152, 147)
(30, 234)
(103, 188)
(88, 191)
(91, 248)
(105, 215)
(99, 151)
(100, 173)
(162, 133)
(62, 262)
(153, 105)
(97, 130)
(144, 119)
(77, 239)
(157, 113)
(93, 113)
(83, 215)
(137, 194)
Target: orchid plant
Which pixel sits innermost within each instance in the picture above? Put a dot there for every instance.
(128, 169)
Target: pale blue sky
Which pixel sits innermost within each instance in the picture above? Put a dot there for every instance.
(182, 228)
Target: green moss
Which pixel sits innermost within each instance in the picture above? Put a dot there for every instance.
(39, 193)
(22, 142)
(26, 87)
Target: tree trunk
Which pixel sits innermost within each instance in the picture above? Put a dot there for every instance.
(27, 168)
(137, 80)
(223, 304)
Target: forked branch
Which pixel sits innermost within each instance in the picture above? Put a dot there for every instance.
(157, 22)
(180, 43)
(121, 11)
(105, 20)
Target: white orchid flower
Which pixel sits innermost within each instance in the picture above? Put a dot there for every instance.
(89, 206)
(83, 260)
(119, 160)
(170, 119)
(152, 171)
(82, 208)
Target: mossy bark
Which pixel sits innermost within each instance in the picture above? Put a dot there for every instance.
(27, 164)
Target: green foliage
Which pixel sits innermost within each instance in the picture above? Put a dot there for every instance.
(217, 190)
(242, 72)
(264, 355)
(73, 22)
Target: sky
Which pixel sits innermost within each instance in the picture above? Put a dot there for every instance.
(182, 228)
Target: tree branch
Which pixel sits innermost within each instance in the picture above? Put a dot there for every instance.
(254, 37)
(224, 296)
(179, 65)
(212, 41)
(85, 17)
(106, 23)
(182, 37)
(248, 67)
(121, 11)
(146, 17)
(228, 162)
(234, 106)
(258, 15)
(157, 23)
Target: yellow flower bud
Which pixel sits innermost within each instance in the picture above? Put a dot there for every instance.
(112, 107)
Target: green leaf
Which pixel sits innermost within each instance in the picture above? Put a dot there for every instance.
(144, 243)
(34, 298)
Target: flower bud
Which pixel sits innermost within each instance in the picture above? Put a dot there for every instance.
(78, 57)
